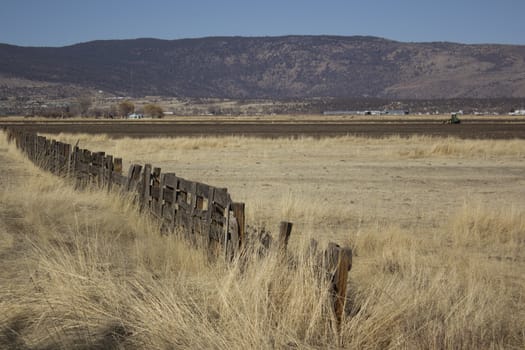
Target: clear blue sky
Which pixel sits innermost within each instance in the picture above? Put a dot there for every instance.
(65, 22)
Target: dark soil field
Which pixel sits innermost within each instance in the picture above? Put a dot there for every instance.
(477, 129)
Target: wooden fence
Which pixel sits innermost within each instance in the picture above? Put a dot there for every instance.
(205, 215)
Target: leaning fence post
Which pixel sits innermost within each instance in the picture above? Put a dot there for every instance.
(133, 177)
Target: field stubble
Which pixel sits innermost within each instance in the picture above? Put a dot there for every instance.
(331, 186)
(437, 227)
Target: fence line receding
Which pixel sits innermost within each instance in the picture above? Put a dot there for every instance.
(205, 215)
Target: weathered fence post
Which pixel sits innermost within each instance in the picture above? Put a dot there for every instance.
(145, 191)
(338, 263)
(117, 165)
(156, 193)
(133, 177)
(98, 168)
(66, 159)
(74, 163)
(238, 213)
(108, 171)
(285, 229)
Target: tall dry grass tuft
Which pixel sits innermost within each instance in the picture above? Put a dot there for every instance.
(477, 226)
(412, 292)
(357, 146)
(425, 147)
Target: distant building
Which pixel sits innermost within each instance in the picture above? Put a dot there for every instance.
(368, 112)
(135, 116)
(342, 113)
(396, 112)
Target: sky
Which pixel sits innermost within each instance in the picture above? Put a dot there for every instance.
(67, 22)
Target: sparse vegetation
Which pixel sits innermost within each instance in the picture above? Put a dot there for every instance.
(84, 103)
(444, 271)
(153, 111)
(308, 66)
(125, 108)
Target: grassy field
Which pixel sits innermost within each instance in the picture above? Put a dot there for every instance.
(437, 227)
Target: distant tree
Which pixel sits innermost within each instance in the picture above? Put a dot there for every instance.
(113, 111)
(100, 112)
(153, 110)
(125, 108)
(84, 103)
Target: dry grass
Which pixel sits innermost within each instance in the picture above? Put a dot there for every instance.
(83, 270)
(419, 146)
(332, 186)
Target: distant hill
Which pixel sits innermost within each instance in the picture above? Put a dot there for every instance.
(273, 67)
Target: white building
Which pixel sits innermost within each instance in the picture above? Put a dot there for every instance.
(135, 116)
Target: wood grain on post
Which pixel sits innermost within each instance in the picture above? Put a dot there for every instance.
(45, 157)
(156, 192)
(52, 157)
(194, 224)
(98, 164)
(238, 213)
(117, 165)
(231, 245)
(145, 193)
(108, 168)
(35, 148)
(285, 229)
(227, 216)
(69, 155)
(82, 166)
(74, 163)
(66, 151)
(60, 152)
(210, 208)
(41, 140)
(169, 195)
(133, 177)
(166, 200)
(338, 263)
(58, 145)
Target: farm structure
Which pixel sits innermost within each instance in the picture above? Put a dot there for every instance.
(398, 112)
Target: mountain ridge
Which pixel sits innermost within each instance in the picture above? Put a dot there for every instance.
(291, 66)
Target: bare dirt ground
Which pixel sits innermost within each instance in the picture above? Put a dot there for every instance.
(333, 191)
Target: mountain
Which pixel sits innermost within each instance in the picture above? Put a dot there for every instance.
(273, 67)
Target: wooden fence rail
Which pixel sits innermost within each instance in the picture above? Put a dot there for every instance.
(204, 215)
